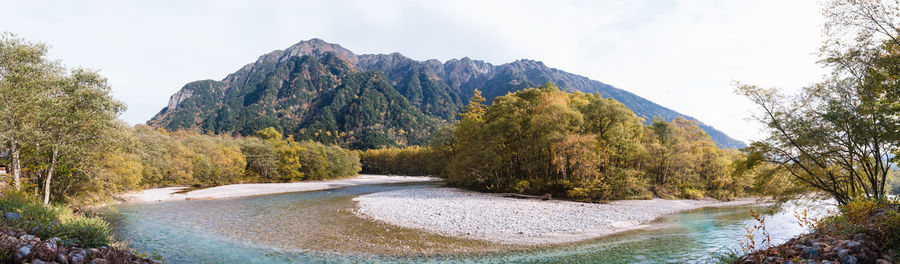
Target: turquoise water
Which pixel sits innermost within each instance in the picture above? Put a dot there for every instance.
(320, 227)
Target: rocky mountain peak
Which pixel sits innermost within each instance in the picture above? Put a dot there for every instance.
(276, 91)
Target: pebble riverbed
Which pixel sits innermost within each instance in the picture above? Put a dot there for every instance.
(491, 217)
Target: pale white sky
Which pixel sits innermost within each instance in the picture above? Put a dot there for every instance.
(680, 54)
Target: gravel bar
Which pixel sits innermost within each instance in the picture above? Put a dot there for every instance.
(491, 217)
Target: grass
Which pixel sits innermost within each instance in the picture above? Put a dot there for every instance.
(728, 256)
(48, 221)
(879, 220)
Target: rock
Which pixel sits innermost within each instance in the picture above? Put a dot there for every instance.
(11, 240)
(99, 261)
(46, 251)
(843, 252)
(11, 216)
(855, 246)
(38, 261)
(860, 237)
(94, 253)
(809, 252)
(61, 259)
(838, 248)
(848, 259)
(826, 262)
(77, 257)
(882, 261)
(23, 252)
(27, 237)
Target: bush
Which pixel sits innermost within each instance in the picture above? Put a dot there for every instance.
(85, 231)
(46, 221)
(691, 193)
(880, 220)
(663, 192)
(34, 216)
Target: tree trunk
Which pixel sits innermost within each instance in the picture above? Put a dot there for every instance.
(16, 165)
(50, 175)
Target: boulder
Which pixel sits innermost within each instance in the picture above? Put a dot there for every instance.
(23, 252)
(62, 259)
(11, 240)
(855, 246)
(77, 257)
(46, 251)
(809, 252)
(94, 253)
(11, 216)
(848, 259)
(843, 252)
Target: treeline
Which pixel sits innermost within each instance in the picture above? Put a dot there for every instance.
(578, 146)
(586, 147)
(155, 157)
(62, 140)
(409, 161)
(190, 158)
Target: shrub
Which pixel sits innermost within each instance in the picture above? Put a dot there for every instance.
(590, 192)
(522, 186)
(46, 221)
(663, 192)
(691, 193)
(880, 220)
(34, 216)
(85, 231)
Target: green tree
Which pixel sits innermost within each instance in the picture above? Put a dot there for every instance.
(25, 76)
(79, 114)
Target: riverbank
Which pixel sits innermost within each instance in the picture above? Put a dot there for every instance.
(864, 231)
(531, 222)
(21, 247)
(248, 189)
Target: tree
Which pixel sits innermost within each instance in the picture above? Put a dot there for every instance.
(830, 141)
(25, 76)
(79, 113)
(837, 136)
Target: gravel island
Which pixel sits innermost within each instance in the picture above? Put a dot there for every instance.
(492, 217)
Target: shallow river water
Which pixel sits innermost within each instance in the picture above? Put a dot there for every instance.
(322, 227)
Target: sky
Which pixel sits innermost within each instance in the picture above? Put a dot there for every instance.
(684, 55)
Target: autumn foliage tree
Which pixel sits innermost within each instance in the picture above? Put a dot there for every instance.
(583, 146)
(841, 136)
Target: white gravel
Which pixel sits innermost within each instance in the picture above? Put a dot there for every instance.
(491, 217)
(237, 190)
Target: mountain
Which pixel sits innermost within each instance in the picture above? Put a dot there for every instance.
(319, 90)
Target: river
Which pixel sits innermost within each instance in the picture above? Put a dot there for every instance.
(322, 227)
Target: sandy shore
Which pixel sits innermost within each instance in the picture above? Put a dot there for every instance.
(490, 217)
(237, 190)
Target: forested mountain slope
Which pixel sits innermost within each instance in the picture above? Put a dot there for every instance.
(318, 90)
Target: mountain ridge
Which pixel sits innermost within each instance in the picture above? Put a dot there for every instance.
(436, 89)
